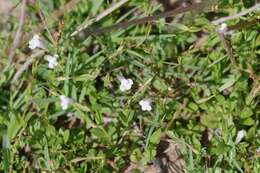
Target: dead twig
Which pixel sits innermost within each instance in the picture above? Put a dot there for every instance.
(244, 24)
(18, 33)
(87, 22)
(14, 7)
(110, 9)
(46, 26)
(25, 66)
(227, 47)
(123, 25)
(242, 13)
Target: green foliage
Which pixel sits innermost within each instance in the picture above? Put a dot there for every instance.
(200, 99)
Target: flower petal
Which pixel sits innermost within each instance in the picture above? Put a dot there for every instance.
(145, 105)
(126, 84)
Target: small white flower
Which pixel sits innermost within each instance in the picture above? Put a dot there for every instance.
(107, 120)
(223, 28)
(52, 60)
(258, 150)
(240, 135)
(126, 84)
(65, 102)
(35, 42)
(145, 105)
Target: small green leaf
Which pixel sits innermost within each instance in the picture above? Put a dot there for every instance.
(136, 155)
(100, 133)
(236, 164)
(6, 152)
(160, 85)
(248, 3)
(95, 6)
(149, 154)
(66, 136)
(221, 148)
(155, 137)
(246, 112)
(227, 84)
(248, 122)
(193, 106)
(211, 121)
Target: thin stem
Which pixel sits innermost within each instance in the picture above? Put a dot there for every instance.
(86, 23)
(242, 13)
(18, 33)
(25, 66)
(123, 25)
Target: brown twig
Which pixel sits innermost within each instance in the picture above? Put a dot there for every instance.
(256, 85)
(227, 47)
(18, 33)
(25, 66)
(242, 13)
(46, 26)
(88, 22)
(123, 25)
(14, 7)
(244, 24)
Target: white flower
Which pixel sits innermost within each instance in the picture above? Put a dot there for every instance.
(52, 60)
(145, 105)
(240, 135)
(223, 28)
(126, 84)
(258, 150)
(65, 102)
(35, 42)
(107, 120)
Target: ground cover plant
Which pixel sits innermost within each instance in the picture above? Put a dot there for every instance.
(175, 92)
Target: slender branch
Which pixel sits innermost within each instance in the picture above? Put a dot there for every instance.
(111, 9)
(14, 7)
(25, 66)
(86, 23)
(227, 47)
(46, 26)
(244, 24)
(123, 25)
(18, 32)
(242, 13)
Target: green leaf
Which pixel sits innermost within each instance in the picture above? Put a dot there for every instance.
(100, 133)
(193, 106)
(66, 136)
(95, 6)
(211, 121)
(251, 133)
(6, 153)
(155, 137)
(14, 125)
(248, 3)
(248, 122)
(136, 155)
(221, 148)
(246, 112)
(236, 164)
(149, 154)
(227, 83)
(160, 85)
(126, 117)
(46, 155)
